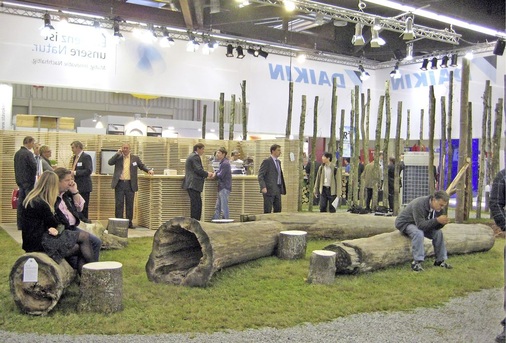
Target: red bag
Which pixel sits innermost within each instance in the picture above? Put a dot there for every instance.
(14, 199)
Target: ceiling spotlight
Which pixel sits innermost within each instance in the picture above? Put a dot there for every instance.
(444, 61)
(117, 36)
(47, 28)
(301, 57)
(376, 40)
(409, 33)
(166, 40)
(425, 63)
(469, 55)
(64, 20)
(433, 63)
(192, 44)
(289, 5)
(253, 52)
(262, 53)
(409, 52)
(499, 47)
(240, 52)
(364, 75)
(453, 62)
(377, 24)
(358, 38)
(396, 74)
(230, 51)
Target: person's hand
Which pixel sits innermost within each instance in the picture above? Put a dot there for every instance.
(151, 172)
(442, 219)
(52, 231)
(264, 190)
(73, 187)
(120, 152)
(209, 175)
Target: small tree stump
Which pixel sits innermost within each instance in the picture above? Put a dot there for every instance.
(322, 267)
(38, 298)
(118, 227)
(101, 287)
(292, 244)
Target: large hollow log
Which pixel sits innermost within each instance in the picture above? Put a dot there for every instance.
(377, 252)
(188, 252)
(342, 225)
(38, 298)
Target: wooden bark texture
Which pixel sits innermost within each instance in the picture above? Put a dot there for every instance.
(39, 298)
(322, 267)
(118, 227)
(342, 225)
(109, 242)
(380, 251)
(101, 287)
(292, 245)
(188, 252)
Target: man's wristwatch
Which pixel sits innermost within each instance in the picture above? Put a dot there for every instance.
(76, 193)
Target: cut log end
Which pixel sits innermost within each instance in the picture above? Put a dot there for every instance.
(292, 245)
(101, 287)
(322, 267)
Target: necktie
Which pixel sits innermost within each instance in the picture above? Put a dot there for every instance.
(278, 167)
(75, 162)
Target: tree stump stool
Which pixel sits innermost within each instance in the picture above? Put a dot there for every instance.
(118, 227)
(292, 244)
(39, 293)
(322, 267)
(101, 287)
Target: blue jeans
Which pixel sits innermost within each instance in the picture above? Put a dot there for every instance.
(222, 204)
(417, 236)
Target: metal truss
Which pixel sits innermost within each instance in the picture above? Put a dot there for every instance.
(391, 24)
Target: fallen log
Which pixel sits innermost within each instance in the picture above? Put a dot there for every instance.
(41, 296)
(188, 252)
(380, 251)
(340, 226)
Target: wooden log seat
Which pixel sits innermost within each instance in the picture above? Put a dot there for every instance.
(322, 267)
(118, 227)
(101, 287)
(292, 245)
(380, 251)
(41, 296)
(339, 226)
(188, 252)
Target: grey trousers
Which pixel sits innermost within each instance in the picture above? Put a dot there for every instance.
(417, 236)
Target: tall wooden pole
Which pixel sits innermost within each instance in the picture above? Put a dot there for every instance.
(386, 141)
(397, 169)
(377, 152)
(301, 153)
(356, 148)
(288, 129)
(312, 174)
(333, 117)
(204, 118)
(244, 112)
(483, 150)
(221, 118)
(449, 131)
(340, 149)
(464, 127)
(232, 119)
(496, 140)
(442, 156)
(432, 121)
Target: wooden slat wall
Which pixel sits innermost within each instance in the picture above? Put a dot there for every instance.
(164, 198)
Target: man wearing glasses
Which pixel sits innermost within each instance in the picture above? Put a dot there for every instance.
(425, 217)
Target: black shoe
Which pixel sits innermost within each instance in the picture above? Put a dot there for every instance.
(501, 338)
(416, 266)
(443, 264)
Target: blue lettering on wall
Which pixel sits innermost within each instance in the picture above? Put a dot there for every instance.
(305, 75)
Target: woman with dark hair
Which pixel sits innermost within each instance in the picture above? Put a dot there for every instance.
(41, 230)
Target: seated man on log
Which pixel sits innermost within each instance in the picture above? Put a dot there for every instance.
(424, 217)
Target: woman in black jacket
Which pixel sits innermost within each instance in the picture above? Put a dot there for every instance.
(41, 230)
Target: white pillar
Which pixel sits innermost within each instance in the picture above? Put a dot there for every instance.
(6, 93)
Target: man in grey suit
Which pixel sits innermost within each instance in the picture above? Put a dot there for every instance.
(25, 172)
(82, 167)
(194, 178)
(124, 180)
(271, 180)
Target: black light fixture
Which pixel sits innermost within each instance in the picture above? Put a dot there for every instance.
(396, 74)
(425, 63)
(262, 53)
(444, 61)
(453, 62)
(230, 51)
(117, 36)
(499, 47)
(433, 63)
(364, 75)
(240, 52)
(47, 28)
(166, 40)
(253, 52)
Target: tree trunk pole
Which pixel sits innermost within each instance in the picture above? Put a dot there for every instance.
(356, 147)
(496, 140)
(377, 152)
(340, 149)
(469, 171)
(204, 116)
(408, 118)
(420, 139)
(397, 161)
(288, 129)
(483, 150)
(350, 198)
(386, 141)
(432, 121)
(221, 118)
(232, 119)
(301, 151)
(312, 173)
(244, 112)
(464, 127)
(333, 118)
(449, 130)
(442, 156)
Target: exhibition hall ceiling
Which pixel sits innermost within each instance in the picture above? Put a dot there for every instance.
(311, 28)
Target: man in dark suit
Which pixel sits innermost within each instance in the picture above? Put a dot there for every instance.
(25, 171)
(82, 167)
(271, 180)
(194, 177)
(124, 180)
